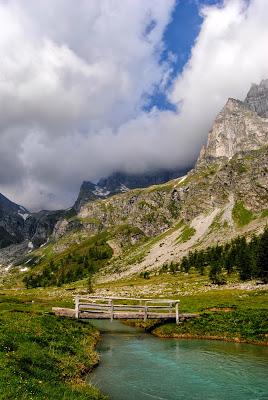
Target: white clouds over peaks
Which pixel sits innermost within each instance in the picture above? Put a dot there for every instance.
(230, 53)
(69, 74)
(74, 77)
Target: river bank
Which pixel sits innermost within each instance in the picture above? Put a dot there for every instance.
(240, 317)
(42, 356)
(136, 365)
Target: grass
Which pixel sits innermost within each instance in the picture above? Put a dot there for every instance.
(45, 357)
(217, 223)
(246, 320)
(229, 313)
(264, 213)
(186, 234)
(241, 215)
(42, 356)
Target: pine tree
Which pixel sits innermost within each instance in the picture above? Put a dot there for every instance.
(262, 258)
(89, 284)
(215, 273)
(244, 260)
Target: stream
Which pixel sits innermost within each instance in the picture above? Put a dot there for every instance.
(138, 366)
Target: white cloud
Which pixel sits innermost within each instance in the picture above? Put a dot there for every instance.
(230, 53)
(74, 79)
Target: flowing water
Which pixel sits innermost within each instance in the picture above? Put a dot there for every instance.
(137, 366)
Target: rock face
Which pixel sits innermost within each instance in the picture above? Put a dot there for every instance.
(11, 222)
(153, 210)
(120, 182)
(18, 225)
(86, 194)
(257, 98)
(238, 128)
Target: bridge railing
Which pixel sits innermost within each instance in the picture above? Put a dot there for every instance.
(125, 307)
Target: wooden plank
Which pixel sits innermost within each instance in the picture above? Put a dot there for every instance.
(84, 314)
(177, 313)
(129, 298)
(87, 315)
(93, 307)
(77, 306)
(64, 312)
(120, 307)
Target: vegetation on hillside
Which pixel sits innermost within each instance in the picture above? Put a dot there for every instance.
(241, 215)
(249, 259)
(74, 264)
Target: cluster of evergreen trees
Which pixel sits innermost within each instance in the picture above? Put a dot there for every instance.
(71, 267)
(249, 259)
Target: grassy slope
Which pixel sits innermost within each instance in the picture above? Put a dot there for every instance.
(246, 319)
(230, 315)
(41, 356)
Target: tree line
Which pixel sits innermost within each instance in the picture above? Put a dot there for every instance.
(248, 258)
(70, 267)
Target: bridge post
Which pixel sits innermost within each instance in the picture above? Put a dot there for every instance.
(145, 312)
(177, 313)
(112, 309)
(77, 306)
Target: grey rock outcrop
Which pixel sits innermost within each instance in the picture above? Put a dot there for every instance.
(18, 224)
(257, 98)
(120, 182)
(237, 128)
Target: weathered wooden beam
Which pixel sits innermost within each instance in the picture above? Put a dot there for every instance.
(77, 306)
(85, 314)
(177, 313)
(112, 309)
(129, 298)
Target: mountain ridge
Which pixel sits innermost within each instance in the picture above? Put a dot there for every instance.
(237, 128)
(229, 179)
(120, 182)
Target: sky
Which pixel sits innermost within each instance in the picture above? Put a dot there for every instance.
(92, 87)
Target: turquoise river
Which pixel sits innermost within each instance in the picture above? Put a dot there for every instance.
(138, 366)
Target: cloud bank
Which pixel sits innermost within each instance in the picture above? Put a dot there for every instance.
(74, 81)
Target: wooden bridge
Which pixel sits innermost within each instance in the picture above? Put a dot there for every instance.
(94, 307)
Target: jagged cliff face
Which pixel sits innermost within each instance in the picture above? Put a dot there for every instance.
(257, 98)
(18, 224)
(238, 127)
(120, 182)
(155, 209)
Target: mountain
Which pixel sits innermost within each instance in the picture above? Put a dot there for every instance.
(223, 196)
(257, 98)
(237, 129)
(7, 206)
(120, 182)
(11, 222)
(18, 225)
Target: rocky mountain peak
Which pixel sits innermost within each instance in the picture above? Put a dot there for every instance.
(8, 206)
(257, 98)
(238, 127)
(120, 182)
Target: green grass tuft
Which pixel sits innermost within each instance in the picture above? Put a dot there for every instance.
(186, 234)
(42, 356)
(241, 215)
